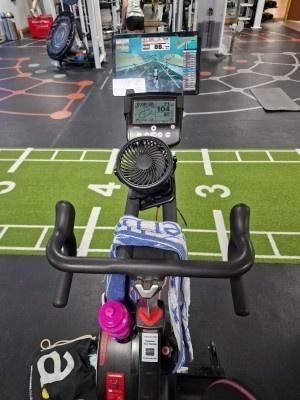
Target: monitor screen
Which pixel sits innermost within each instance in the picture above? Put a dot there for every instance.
(156, 62)
(154, 112)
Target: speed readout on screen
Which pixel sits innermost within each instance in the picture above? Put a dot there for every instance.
(154, 112)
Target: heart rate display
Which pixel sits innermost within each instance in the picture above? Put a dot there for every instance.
(147, 112)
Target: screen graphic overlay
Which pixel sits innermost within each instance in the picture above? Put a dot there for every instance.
(156, 63)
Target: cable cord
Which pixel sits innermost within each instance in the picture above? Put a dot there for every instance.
(46, 343)
(182, 217)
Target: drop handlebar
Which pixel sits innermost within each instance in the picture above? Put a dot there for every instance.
(62, 248)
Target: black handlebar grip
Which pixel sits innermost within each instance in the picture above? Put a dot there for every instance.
(64, 217)
(239, 242)
(239, 222)
(239, 297)
(64, 224)
(63, 289)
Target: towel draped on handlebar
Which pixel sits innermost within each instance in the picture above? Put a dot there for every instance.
(167, 235)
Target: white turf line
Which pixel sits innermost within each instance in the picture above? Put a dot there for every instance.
(178, 150)
(2, 233)
(192, 230)
(236, 162)
(66, 160)
(238, 156)
(41, 238)
(191, 253)
(273, 245)
(110, 166)
(261, 256)
(112, 161)
(89, 232)
(19, 161)
(206, 162)
(24, 248)
(52, 226)
(221, 233)
(269, 156)
(83, 155)
(178, 162)
(54, 155)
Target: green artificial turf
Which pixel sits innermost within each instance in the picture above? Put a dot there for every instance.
(270, 188)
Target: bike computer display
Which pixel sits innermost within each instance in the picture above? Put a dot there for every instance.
(154, 112)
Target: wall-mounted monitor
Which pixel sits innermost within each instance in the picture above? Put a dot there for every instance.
(156, 62)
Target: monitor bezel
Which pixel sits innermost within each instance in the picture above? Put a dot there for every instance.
(161, 34)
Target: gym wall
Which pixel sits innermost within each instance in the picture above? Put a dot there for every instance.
(281, 10)
(19, 8)
(294, 11)
(46, 7)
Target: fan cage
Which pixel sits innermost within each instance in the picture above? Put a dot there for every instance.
(144, 163)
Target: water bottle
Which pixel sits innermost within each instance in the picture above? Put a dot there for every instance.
(114, 318)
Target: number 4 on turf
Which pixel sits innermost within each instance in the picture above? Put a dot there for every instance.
(105, 190)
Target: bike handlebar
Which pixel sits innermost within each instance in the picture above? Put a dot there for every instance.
(61, 253)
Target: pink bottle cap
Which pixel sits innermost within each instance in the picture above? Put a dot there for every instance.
(114, 318)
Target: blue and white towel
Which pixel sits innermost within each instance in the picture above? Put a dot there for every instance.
(167, 235)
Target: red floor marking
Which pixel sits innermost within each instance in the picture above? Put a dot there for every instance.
(78, 91)
(68, 105)
(8, 96)
(85, 83)
(61, 114)
(295, 40)
(21, 113)
(24, 75)
(76, 96)
(34, 86)
(241, 61)
(205, 73)
(6, 90)
(7, 78)
(11, 58)
(229, 68)
(49, 96)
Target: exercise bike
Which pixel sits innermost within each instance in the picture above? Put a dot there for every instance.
(140, 366)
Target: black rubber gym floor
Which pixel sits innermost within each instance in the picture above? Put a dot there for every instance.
(79, 110)
(42, 107)
(261, 350)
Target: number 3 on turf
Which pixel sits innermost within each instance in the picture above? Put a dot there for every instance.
(105, 190)
(200, 190)
(9, 186)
